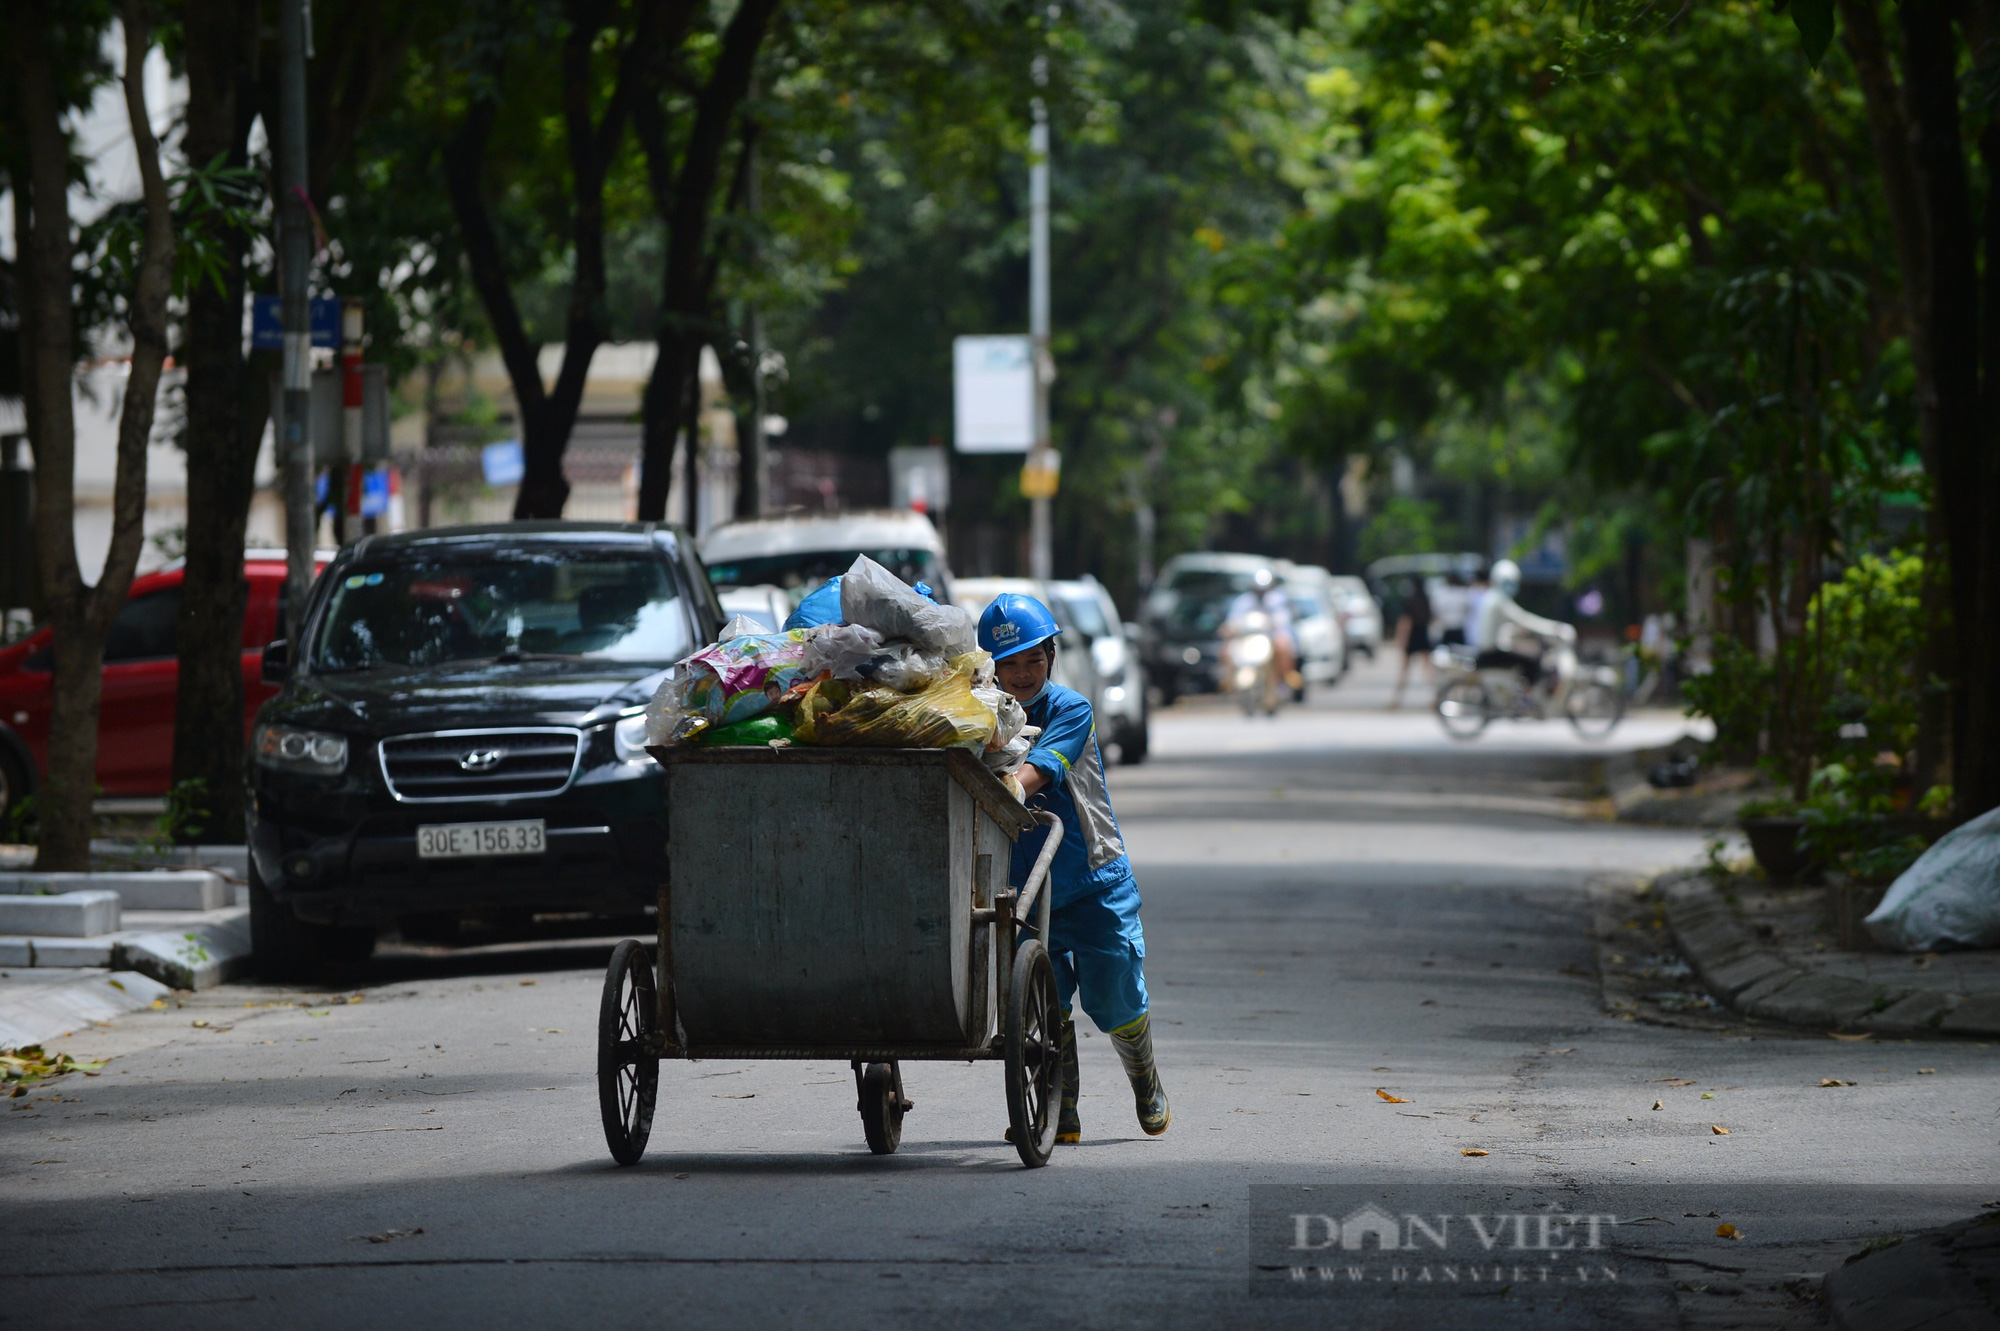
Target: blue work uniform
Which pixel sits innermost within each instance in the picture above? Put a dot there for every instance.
(1095, 940)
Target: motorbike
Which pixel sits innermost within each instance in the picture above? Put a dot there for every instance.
(1592, 697)
(1250, 667)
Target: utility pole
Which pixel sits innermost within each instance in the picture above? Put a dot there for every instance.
(1039, 475)
(294, 259)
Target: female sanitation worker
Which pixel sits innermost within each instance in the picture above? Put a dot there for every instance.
(1095, 940)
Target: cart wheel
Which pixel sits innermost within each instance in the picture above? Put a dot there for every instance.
(628, 1077)
(881, 1108)
(1034, 1057)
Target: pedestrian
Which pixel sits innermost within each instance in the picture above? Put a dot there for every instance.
(1095, 939)
(1413, 635)
(1451, 605)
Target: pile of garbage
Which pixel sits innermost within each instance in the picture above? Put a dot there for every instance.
(902, 672)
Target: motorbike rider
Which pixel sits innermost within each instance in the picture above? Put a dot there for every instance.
(1499, 618)
(1264, 607)
(1095, 939)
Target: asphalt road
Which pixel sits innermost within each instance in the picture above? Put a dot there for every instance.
(1340, 909)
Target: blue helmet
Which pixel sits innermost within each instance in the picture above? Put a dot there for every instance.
(1014, 623)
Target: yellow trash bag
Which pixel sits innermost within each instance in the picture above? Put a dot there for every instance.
(945, 715)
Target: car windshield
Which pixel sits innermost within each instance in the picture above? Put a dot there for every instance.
(583, 604)
(1202, 599)
(1088, 614)
(799, 573)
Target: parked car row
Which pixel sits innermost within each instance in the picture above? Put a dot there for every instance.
(458, 729)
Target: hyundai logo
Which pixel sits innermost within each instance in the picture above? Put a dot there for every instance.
(481, 760)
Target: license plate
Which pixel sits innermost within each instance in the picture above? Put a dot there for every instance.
(461, 841)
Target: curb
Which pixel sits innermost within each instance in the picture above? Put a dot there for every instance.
(1758, 982)
(50, 1011)
(1939, 1280)
(200, 957)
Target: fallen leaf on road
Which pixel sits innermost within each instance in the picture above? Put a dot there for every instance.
(526, 983)
(1725, 1231)
(1835, 1081)
(1926, 1072)
(158, 1003)
(553, 1030)
(199, 1021)
(1474, 1150)
(1839, 1035)
(680, 1176)
(751, 1096)
(1392, 1099)
(1718, 1129)
(1570, 1050)
(1659, 1104)
(389, 1234)
(1708, 1095)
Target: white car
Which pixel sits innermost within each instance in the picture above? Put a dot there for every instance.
(1114, 650)
(1316, 624)
(797, 554)
(1075, 667)
(1360, 614)
(765, 605)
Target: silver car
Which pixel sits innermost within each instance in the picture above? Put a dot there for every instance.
(1114, 650)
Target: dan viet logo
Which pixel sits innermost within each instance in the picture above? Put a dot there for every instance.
(1469, 1249)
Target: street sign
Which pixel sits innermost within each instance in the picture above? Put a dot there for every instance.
(267, 322)
(993, 394)
(503, 463)
(920, 478)
(1040, 474)
(328, 403)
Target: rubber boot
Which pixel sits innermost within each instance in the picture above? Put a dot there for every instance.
(1069, 1128)
(1135, 1050)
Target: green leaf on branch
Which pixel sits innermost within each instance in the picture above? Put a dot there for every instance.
(1815, 23)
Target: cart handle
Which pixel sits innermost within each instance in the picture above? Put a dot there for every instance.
(1040, 873)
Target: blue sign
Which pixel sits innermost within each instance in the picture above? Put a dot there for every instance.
(267, 322)
(375, 492)
(503, 462)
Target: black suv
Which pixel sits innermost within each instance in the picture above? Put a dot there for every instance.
(460, 733)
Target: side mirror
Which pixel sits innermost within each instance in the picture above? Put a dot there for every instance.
(277, 661)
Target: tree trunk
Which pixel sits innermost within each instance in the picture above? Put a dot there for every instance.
(685, 199)
(223, 439)
(1951, 316)
(80, 614)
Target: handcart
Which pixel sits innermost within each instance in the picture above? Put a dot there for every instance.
(839, 903)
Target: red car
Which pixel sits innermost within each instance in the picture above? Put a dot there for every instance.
(135, 728)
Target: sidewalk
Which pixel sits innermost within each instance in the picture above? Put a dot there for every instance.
(1769, 953)
(1940, 1280)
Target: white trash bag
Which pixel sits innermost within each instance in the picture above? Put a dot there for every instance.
(1950, 897)
(875, 598)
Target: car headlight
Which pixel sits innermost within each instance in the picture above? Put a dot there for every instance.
(628, 737)
(311, 751)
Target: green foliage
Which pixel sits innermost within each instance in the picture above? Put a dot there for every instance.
(1404, 526)
(1863, 630)
(208, 201)
(185, 817)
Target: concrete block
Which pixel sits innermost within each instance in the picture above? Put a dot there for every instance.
(233, 860)
(1915, 1013)
(1818, 1000)
(1734, 977)
(172, 889)
(17, 951)
(68, 915)
(73, 951)
(1975, 1014)
(196, 958)
(46, 1012)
